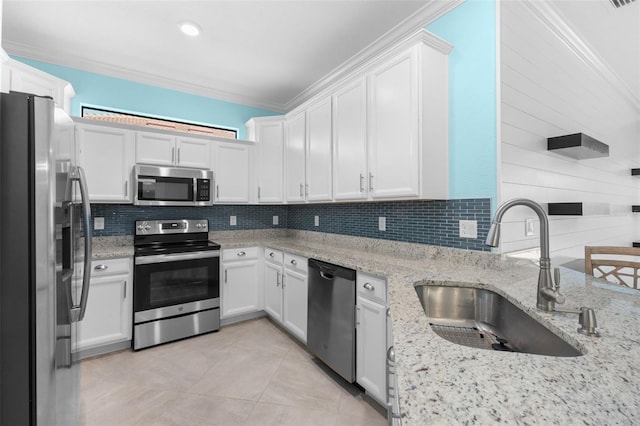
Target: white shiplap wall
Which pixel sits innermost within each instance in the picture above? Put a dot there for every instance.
(547, 90)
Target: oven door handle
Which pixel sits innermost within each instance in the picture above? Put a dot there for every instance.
(159, 258)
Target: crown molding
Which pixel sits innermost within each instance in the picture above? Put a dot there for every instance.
(548, 15)
(391, 39)
(73, 61)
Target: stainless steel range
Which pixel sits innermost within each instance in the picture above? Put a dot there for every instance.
(176, 291)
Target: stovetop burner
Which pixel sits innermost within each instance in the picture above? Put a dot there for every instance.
(172, 236)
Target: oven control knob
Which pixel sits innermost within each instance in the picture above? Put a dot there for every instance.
(140, 227)
(147, 227)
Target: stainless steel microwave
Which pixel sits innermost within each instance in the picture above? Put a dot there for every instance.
(172, 186)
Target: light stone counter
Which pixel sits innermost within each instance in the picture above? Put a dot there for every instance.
(444, 383)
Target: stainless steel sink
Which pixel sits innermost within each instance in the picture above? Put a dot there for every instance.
(484, 319)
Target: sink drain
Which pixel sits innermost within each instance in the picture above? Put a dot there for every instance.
(470, 336)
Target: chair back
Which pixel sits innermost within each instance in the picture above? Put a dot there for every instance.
(619, 265)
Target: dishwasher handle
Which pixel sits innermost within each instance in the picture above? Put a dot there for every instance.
(326, 276)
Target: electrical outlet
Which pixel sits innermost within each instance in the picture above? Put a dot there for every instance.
(528, 228)
(468, 228)
(275, 220)
(316, 220)
(382, 223)
(233, 220)
(98, 223)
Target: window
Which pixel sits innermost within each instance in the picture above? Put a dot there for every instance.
(158, 123)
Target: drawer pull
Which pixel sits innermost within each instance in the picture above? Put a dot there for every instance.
(101, 267)
(241, 253)
(293, 262)
(272, 254)
(368, 286)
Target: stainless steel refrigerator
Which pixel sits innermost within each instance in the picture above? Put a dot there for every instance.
(40, 308)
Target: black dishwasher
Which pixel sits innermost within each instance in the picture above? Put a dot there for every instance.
(331, 328)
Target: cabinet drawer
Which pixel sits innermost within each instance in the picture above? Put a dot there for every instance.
(244, 253)
(371, 287)
(105, 267)
(295, 263)
(273, 255)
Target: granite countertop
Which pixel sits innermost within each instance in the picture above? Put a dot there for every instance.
(440, 382)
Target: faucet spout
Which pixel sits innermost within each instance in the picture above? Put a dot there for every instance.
(547, 294)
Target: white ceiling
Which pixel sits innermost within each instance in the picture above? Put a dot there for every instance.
(264, 53)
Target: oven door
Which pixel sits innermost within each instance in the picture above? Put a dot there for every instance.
(167, 280)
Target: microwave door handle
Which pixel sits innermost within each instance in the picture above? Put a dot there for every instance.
(78, 311)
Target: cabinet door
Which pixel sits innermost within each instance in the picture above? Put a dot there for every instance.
(318, 164)
(192, 152)
(371, 345)
(295, 294)
(107, 156)
(232, 173)
(295, 158)
(108, 315)
(350, 142)
(273, 290)
(394, 149)
(240, 290)
(155, 148)
(270, 161)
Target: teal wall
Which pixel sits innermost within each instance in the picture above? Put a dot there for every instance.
(471, 28)
(98, 90)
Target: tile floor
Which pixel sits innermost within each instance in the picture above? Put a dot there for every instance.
(251, 373)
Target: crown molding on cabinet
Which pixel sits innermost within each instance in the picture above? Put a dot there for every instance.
(396, 36)
(548, 15)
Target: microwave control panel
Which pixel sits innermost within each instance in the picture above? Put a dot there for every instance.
(203, 190)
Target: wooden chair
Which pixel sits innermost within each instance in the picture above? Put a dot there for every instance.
(622, 269)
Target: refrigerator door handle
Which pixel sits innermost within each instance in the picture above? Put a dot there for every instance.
(77, 311)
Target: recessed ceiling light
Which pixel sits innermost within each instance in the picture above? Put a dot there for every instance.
(189, 28)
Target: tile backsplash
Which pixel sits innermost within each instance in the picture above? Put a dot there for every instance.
(433, 222)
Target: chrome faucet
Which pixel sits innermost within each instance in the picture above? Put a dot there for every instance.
(548, 293)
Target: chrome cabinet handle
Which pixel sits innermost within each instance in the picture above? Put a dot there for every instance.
(301, 191)
(258, 193)
(277, 279)
(370, 181)
(272, 254)
(368, 286)
(225, 276)
(217, 191)
(241, 253)
(293, 262)
(178, 156)
(283, 278)
(361, 182)
(101, 267)
(124, 296)
(126, 188)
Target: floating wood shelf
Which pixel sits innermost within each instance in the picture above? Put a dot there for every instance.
(578, 146)
(577, 209)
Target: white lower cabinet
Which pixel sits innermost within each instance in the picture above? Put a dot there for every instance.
(109, 306)
(240, 284)
(371, 336)
(286, 291)
(295, 291)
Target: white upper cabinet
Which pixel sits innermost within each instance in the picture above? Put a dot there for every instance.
(350, 141)
(318, 158)
(408, 126)
(268, 132)
(169, 150)
(107, 156)
(20, 77)
(295, 182)
(232, 172)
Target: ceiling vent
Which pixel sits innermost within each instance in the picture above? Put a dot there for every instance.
(620, 3)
